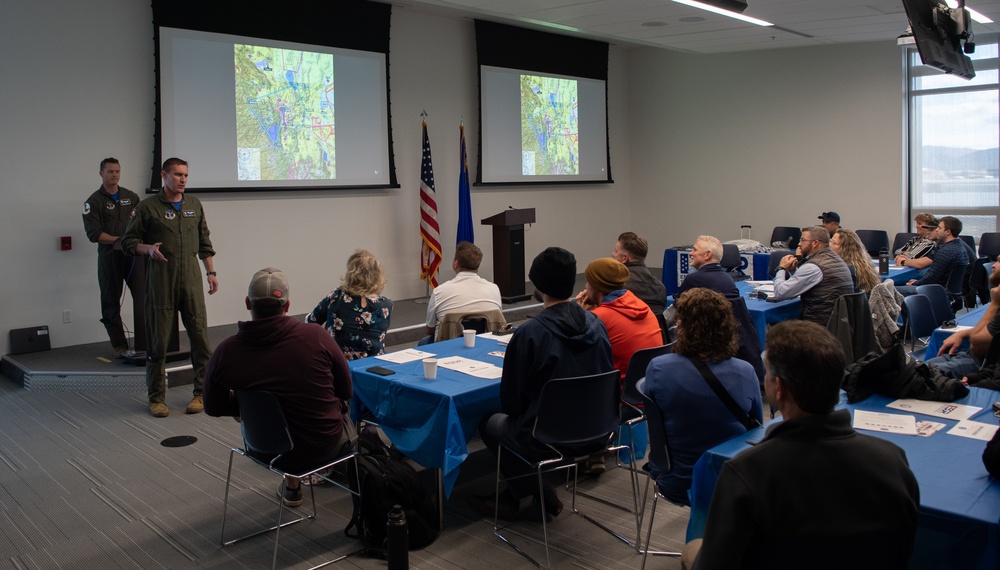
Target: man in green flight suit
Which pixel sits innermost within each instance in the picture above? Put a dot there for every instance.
(171, 229)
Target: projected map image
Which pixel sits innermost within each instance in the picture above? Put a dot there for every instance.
(550, 142)
(284, 114)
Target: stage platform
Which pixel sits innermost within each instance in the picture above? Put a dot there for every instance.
(93, 367)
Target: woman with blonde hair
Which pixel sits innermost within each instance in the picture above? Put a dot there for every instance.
(356, 314)
(848, 246)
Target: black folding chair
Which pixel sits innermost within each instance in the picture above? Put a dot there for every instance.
(874, 241)
(577, 418)
(659, 454)
(788, 236)
(266, 435)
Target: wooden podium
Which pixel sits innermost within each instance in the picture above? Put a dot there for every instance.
(508, 252)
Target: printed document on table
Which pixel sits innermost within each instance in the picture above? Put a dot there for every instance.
(975, 430)
(501, 338)
(936, 409)
(404, 356)
(763, 286)
(471, 367)
(887, 423)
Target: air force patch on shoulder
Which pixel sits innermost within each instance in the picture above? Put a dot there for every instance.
(86, 208)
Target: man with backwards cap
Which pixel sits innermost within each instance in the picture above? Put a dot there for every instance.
(562, 341)
(297, 362)
(830, 221)
(631, 326)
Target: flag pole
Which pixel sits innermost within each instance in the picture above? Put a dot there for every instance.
(430, 233)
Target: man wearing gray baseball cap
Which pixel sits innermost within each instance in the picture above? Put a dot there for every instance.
(297, 362)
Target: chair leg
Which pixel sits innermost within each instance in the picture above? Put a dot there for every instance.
(649, 535)
(225, 500)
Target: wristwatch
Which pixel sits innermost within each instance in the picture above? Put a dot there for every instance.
(211, 274)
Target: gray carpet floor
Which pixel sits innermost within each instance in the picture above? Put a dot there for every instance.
(86, 484)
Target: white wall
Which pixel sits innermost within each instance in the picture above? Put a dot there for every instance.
(78, 86)
(765, 138)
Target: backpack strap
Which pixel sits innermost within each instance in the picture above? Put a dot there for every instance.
(741, 416)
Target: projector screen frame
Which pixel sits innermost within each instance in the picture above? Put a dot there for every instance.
(358, 25)
(521, 49)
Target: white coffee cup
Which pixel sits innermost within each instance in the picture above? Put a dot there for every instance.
(470, 338)
(430, 368)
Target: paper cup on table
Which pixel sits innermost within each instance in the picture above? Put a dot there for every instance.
(430, 368)
(470, 338)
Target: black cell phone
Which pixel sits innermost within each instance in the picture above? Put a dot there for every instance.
(380, 370)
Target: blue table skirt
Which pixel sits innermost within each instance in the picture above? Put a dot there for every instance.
(766, 313)
(959, 524)
(431, 421)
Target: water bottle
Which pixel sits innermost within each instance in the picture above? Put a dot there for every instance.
(398, 548)
(883, 262)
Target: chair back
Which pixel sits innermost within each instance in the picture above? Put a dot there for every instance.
(659, 451)
(900, 240)
(874, 241)
(452, 324)
(749, 347)
(786, 234)
(478, 323)
(969, 241)
(730, 257)
(989, 245)
(579, 414)
(919, 316)
(265, 430)
(979, 279)
(955, 279)
(636, 371)
(775, 261)
(940, 304)
(851, 322)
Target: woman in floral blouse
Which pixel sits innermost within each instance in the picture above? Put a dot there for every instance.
(356, 314)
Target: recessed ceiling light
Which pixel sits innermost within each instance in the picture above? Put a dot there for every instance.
(692, 19)
(653, 24)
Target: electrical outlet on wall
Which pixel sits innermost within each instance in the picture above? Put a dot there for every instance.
(67, 316)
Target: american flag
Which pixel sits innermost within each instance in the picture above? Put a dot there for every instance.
(430, 235)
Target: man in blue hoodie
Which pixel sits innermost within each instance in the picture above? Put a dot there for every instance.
(562, 341)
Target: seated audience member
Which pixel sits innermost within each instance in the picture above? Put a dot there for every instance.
(631, 326)
(848, 246)
(956, 363)
(830, 222)
(919, 246)
(705, 258)
(356, 314)
(631, 249)
(813, 493)
(466, 293)
(991, 456)
(694, 417)
(562, 341)
(298, 363)
(949, 252)
(819, 279)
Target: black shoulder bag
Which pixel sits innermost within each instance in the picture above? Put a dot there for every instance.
(743, 417)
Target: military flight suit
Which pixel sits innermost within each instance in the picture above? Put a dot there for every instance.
(174, 285)
(102, 213)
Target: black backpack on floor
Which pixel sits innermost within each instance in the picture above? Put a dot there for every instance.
(384, 482)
